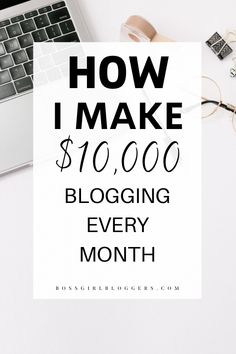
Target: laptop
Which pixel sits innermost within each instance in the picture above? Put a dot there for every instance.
(23, 22)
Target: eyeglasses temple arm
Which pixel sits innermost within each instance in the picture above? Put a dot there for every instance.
(228, 107)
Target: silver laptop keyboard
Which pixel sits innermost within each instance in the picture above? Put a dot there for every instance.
(51, 23)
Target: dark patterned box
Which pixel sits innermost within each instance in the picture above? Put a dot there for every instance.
(219, 46)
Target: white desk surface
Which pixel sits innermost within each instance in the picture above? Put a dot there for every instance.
(204, 326)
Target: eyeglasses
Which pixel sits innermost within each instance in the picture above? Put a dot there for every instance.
(212, 100)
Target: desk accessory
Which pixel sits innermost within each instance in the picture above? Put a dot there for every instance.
(220, 45)
(138, 29)
(233, 69)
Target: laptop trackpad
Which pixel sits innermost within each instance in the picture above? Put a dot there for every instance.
(16, 132)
